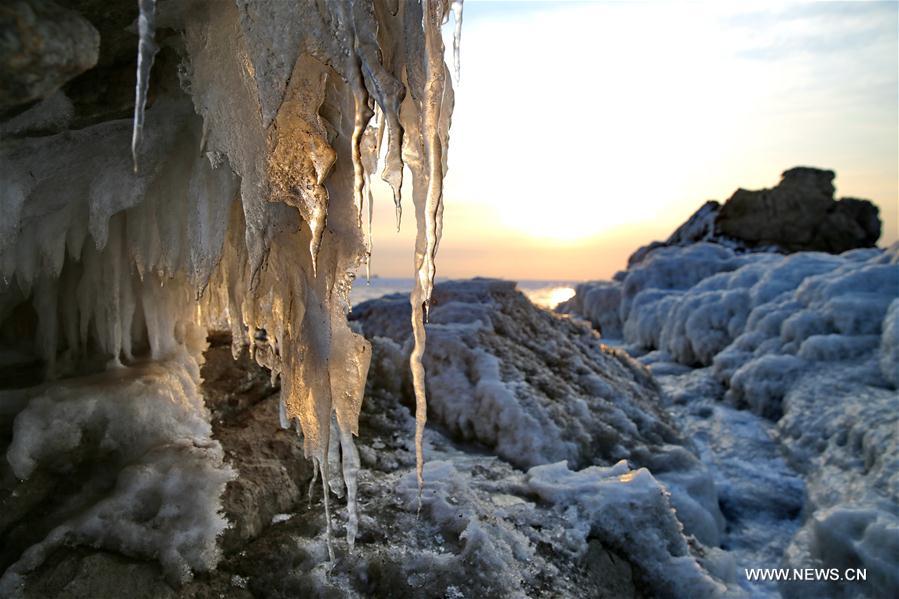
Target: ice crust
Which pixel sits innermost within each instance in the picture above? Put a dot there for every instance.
(242, 203)
(149, 475)
(535, 389)
(807, 340)
(503, 489)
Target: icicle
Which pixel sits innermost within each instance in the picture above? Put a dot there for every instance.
(113, 280)
(362, 115)
(317, 229)
(45, 306)
(314, 480)
(457, 37)
(146, 52)
(335, 483)
(430, 219)
(435, 81)
(323, 464)
(350, 472)
(369, 245)
(371, 143)
(418, 381)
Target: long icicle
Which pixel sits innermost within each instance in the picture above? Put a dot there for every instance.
(146, 53)
(435, 81)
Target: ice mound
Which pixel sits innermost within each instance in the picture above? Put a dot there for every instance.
(807, 340)
(606, 499)
(535, 389)
(123, 460)
(705, 304)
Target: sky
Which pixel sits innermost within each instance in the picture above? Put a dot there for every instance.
(583, 130)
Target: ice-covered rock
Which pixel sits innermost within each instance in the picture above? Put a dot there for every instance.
(607, 499)
(807, 340)
(535, 389)
(842, 433)
(123, 460)
(889, 345)
(482, 527)
(597, 302)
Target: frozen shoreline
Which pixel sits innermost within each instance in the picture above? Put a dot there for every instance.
(806, 343)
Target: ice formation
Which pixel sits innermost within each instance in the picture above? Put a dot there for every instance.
(807, 340)
(146, 476)
(146, 52)
(242, 203)
(583, 449)
(535, 389)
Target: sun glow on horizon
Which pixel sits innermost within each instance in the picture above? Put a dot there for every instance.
(610, 150)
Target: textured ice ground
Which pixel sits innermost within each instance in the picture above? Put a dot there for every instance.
(806, 341)
(760, 494)
(538, 391)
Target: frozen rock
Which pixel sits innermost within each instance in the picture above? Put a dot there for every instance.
(604, 500)
(806, 340)
(864, 539)
(484, 528)
(122, 460)
(597, 302)
(535, 388)
(841, 433)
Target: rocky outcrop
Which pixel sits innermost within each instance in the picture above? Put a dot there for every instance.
(800, 214)
(42, 46)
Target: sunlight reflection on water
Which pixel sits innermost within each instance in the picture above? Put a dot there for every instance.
(546, 294)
